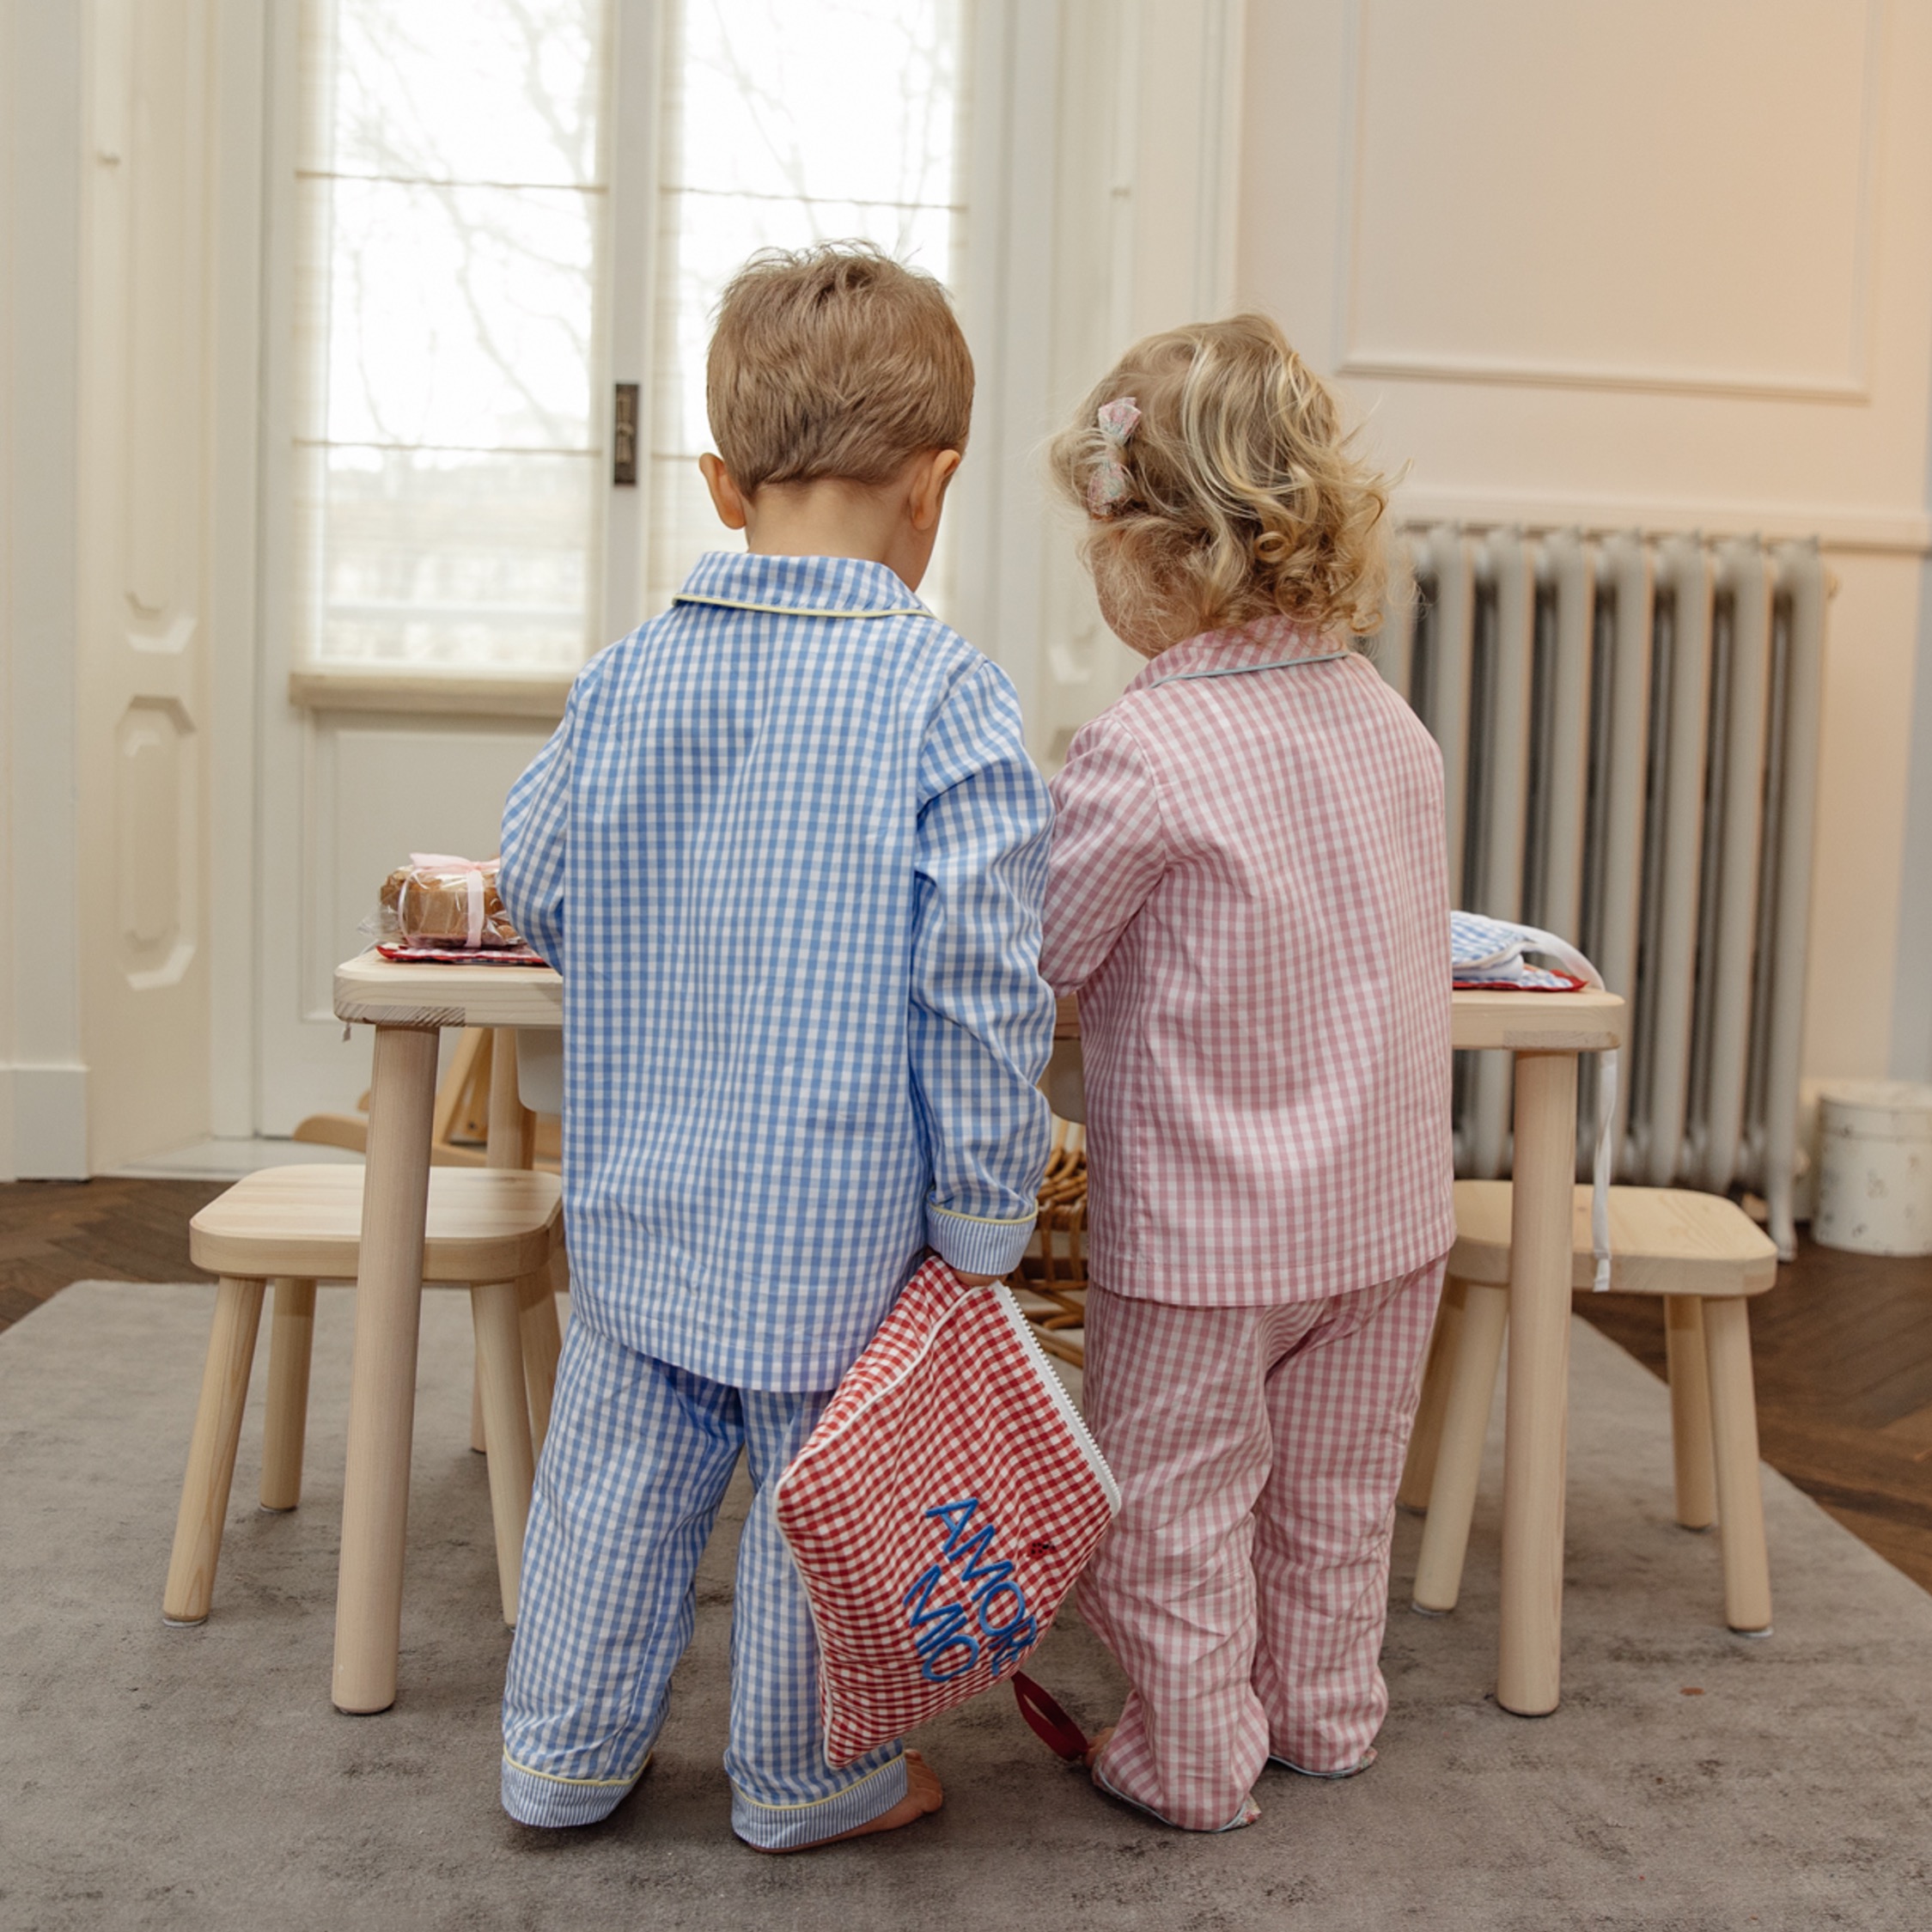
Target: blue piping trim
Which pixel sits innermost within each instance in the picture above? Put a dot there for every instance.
(1243, 670)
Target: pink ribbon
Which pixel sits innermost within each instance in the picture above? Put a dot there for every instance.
(474, 875)
(1110, 485)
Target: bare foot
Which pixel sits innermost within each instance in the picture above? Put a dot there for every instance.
(1100, 1744)
(923, 1796)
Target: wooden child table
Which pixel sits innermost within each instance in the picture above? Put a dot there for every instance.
(409, 1006)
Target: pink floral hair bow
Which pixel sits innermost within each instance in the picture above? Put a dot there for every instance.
(1110, 485)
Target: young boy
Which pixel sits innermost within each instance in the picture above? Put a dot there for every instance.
(787, 852)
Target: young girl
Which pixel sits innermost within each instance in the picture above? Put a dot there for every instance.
(1248, 892)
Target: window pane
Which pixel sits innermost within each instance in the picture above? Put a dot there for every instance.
(452, 198)
(791, 125)
(458, 316)
(466, 561)
(845, 99)
(466, 90)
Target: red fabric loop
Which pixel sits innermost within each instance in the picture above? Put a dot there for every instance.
(1051, 1725)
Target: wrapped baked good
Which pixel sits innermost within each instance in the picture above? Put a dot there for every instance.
(440, 900)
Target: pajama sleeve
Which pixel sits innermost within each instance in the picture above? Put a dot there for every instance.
(981, 1020)
(535, 840)
(1109, 852)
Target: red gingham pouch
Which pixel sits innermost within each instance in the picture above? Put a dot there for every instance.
(940, 1512)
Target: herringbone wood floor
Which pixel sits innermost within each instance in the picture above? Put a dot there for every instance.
(53, 1232)
(1842, 1343)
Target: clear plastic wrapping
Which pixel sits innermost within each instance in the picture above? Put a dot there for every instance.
(441, 901)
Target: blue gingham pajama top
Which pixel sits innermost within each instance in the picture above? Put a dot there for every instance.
(787, 852)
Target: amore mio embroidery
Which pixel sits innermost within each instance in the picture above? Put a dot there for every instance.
(947, 1648)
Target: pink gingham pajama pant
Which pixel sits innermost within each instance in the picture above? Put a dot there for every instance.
(1244, 1586)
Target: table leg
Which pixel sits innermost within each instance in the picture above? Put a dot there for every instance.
(383, 1379)
(1530, 1668)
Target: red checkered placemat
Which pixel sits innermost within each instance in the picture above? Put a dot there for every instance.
(460, 955)
(941, 1511)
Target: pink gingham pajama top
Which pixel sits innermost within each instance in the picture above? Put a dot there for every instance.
(1248, 892)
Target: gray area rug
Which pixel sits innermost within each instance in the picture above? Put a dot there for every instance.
(153, 1777)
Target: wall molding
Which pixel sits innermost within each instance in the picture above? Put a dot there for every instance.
(1902, 533)
(1391, 361)
(1399, 366)
(433, 694)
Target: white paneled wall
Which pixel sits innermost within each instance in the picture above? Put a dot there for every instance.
(1659, 264)
(145, 540)
(1612, 196)
(1102, 203)
(43, 1074)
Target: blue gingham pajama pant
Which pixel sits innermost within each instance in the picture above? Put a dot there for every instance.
(636, 1463)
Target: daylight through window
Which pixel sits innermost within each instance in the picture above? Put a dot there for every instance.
(788, 125)
(449, 438)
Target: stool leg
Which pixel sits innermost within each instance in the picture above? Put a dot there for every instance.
(1689, 1412)
(1740, 1495)
(291, 1335)
(543, 1343)
(478, 1440)
(496, 1309)
(211, 1473)
(1458, 1459)
(1418, 1472)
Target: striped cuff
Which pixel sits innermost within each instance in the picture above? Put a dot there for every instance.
(975, 1246)
(530, 1798)
(787, 1827)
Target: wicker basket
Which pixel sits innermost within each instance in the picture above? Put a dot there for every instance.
(1051, 1282)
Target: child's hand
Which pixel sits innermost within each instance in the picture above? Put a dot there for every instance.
(976, 1281)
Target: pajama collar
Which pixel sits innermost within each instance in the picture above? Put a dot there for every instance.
(1267, 642)
(799, 586)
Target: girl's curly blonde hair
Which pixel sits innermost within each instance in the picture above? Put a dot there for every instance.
(1235, 497)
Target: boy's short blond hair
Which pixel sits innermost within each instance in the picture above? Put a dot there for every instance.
(1240, 499)
(834, 361)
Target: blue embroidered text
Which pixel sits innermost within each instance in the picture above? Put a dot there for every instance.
(949, 1636)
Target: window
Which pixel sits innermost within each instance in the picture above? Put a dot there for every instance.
(450, 419)
(787, 125)
(458, 226)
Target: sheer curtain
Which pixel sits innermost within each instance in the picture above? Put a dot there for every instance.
(786, 125)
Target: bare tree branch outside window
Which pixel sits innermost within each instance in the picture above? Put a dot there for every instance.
(455, 213)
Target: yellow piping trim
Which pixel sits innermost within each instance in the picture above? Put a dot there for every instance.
(803, 610)
(812, 1804)
(604, 1783)
(983, 1220)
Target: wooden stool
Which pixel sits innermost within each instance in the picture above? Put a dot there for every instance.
(1705, 1257)
(492, 1230)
